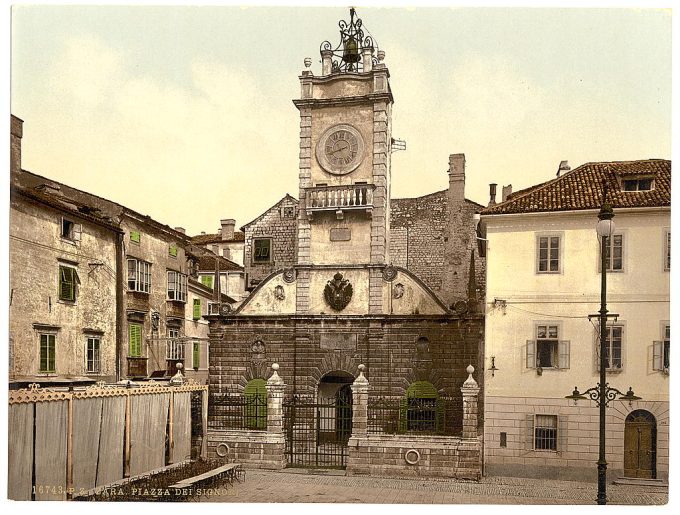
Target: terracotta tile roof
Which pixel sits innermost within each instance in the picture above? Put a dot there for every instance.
(581, 188)
(204, 239)
(206, 263)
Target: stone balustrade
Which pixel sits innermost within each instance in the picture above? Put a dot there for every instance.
(354, 196)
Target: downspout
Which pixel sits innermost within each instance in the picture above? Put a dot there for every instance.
(120, 304)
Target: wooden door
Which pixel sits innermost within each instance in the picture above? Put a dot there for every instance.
(640, 445)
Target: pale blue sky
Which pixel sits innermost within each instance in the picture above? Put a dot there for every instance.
(185, 113)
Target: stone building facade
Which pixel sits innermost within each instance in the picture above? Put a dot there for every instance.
(110, 293)
(270, 241)
(337, 301)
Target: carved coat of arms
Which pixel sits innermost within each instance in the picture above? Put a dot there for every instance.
(338, 292)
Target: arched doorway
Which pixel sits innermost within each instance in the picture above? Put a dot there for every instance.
(335, 411)
(639, 445)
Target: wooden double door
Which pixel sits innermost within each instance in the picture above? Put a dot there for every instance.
(639, 445)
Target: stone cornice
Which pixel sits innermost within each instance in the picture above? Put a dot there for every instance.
(343, 101)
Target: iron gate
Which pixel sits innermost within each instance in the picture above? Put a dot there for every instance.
(317, 430)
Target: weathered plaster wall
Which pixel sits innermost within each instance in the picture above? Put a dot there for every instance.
(356, 250)
(36, 249)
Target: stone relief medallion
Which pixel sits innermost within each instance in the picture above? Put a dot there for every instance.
(389, 273)
(398, 291)
(279, 293)
(338, 292)
(258, 349)
(289, 275)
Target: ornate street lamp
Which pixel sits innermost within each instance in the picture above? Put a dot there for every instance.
(603, 393)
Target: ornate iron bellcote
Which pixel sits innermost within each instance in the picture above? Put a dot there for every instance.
(355, 52)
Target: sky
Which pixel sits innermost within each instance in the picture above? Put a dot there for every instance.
(185, 113)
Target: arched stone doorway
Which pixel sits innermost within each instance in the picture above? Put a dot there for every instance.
(335, 412)
(639, 445)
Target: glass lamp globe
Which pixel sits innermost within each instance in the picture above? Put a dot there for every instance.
(605, 228)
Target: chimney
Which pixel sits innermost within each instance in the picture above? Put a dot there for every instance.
(17, 132)
(457, 177)
(227, 228)
(507, 191)
(181, 229)
(564, 167)
(492, 194)
(202, 233)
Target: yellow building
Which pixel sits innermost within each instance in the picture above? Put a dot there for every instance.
(543, 280)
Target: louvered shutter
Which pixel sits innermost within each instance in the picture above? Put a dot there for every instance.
(531, 353)
(657, 356)
(196, 355)
(529, 435)
(563, 353)
(135, 338)
(562, 434)
(197, 309)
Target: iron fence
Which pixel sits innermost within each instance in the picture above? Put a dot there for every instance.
(426, 416)
(238, 411)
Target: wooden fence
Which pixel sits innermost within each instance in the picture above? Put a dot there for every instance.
(62, 442)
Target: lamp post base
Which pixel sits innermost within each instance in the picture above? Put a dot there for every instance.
(601, 482)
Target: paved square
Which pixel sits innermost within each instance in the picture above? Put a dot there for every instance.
(295, 486)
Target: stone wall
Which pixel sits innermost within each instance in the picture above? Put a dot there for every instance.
(420, 236)
(415, 456)
(255, 449)
(577, 450)
(308, 348)
(278, 224)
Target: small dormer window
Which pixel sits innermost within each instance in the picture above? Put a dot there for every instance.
(638, 184)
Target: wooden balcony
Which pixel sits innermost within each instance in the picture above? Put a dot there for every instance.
(339, 198)
(137, 367)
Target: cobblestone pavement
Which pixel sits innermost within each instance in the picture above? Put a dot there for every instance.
(295, 487)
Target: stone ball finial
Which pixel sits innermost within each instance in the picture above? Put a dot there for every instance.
(180, 366)
(470, 369)
(308, 62)
(470, 381)
(275, 367)
(362, 367)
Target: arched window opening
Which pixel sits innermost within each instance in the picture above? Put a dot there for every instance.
(255, 404)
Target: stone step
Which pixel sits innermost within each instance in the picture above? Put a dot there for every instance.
(636, 481)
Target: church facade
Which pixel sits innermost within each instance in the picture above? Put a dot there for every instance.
(374, 355)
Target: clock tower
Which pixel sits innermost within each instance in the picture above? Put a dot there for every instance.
(345, 139)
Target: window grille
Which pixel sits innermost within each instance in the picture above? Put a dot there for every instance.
(545, 433)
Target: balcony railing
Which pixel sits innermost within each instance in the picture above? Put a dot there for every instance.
(340, 198)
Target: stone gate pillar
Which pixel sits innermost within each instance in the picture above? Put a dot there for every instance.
(275, 388)
(360, 404)
(274, 444)
(470, 391)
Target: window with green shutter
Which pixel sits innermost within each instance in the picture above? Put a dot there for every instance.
(47, 349)
(197, 309)
(135, 340)
(135, 236)
(68, 278)
(172, 250)
(207, 280)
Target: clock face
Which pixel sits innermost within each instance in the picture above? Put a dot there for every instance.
(340, 149)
